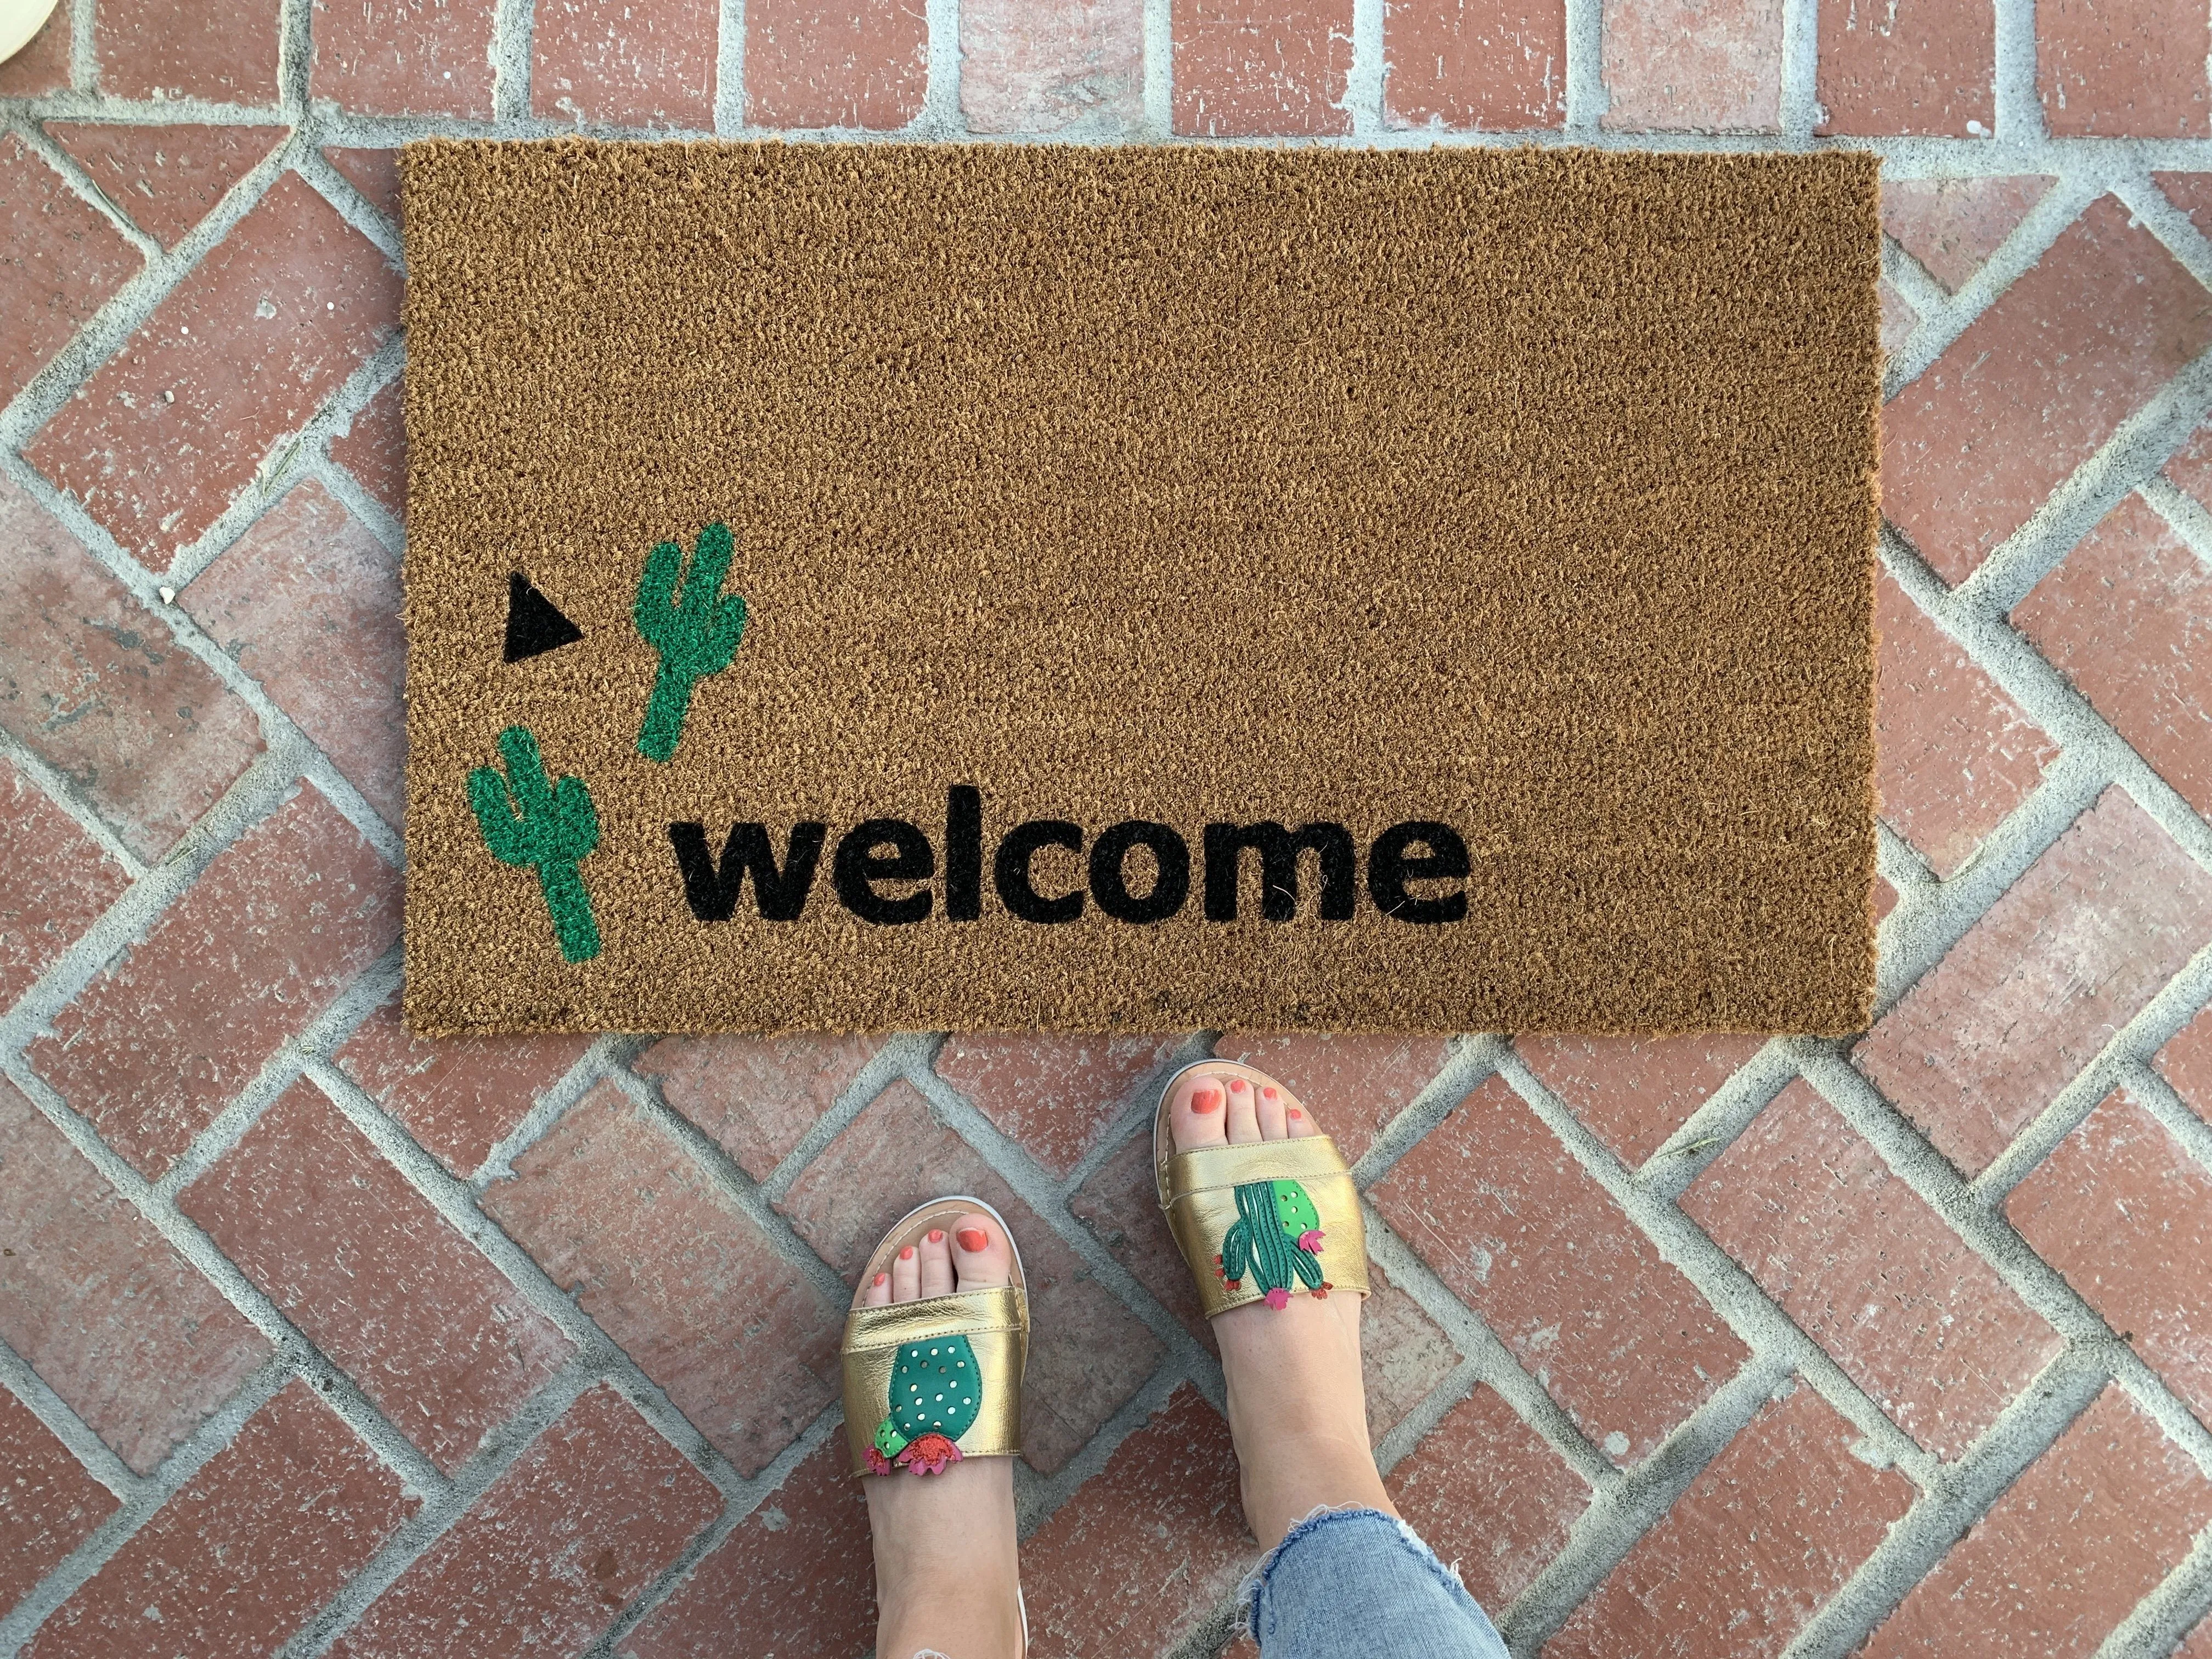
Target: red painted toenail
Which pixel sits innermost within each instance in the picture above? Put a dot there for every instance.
(1267, 1094)
(973, 1239)
(880, 1278)
(1206, 1100)
(936, 1234)
(1295, 1112)
(1237, 1085)
(906, 1254)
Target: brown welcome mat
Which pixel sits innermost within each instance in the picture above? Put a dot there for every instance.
(872, 587)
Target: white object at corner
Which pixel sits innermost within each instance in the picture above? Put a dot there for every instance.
(19, 21)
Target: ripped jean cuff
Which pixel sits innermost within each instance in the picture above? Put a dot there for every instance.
(1355, 1582)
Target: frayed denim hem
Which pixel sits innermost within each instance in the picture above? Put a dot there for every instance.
(1255, 1582)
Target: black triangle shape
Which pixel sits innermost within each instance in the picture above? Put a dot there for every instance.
(534, 624)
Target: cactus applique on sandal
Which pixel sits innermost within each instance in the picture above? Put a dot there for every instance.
(1255, 1220)
(937, 1395)
(1275, 1241)
(931, 1383)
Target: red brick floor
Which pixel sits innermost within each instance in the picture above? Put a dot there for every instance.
(319, 1338)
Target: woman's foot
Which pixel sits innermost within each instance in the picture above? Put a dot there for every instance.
(945, 1575)
(1297, 1404)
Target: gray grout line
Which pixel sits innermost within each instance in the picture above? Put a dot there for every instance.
(730, 70)
(941, 116)
(84, 51)
(513, 27)
(1586, 98)
(213, 1433)
(57, 789)
(2147, 1087)
(1365, 80)
(1800, 108)
(2162, 1619)
(2019, 110)
(1158, 25)
(1622, 1512)
(1927, 296)
(2184, 515)
(355, 208)
(42, 144)
(60, 1418)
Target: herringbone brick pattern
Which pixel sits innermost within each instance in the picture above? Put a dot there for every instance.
(316, 1338)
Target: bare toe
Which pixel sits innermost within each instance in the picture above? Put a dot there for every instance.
(878, 1293)
(906, 1275)
(1243, 1112)
(980, 1253)
(1196, 1112)
(936, 1253)
(1268, 1103)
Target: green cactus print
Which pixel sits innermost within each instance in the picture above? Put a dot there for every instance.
(696, 632)
(937, 1392)
(525, 820)
(1275, 1239)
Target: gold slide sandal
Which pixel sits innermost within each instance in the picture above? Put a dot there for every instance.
(1261, 1221)
(929, 1382)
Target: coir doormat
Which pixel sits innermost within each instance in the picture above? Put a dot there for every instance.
(875, 587)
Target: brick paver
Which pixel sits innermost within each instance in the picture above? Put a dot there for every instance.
(795, 1579)
(2086, 1531)
(544, 1561)
(1952, 226)
(48, 1504)
(1772, 1529)
(625, 64)
(2067, 957)
(103, 1308)
(98, 688)
(2128, 618)
(227, 57)
(1475, 66)
(279, 924)
(55, 880)
(307, 602)
(2123, 1211)
(1870, 1271)
(1489, 1497)
(2135, 70)
(1046, 65)
(166, 179)
(377, 1278)
(1697, 65)
(62, 262)
(211, 1024)
(240, 353)
(1919, 66)
(1954, 755)
(267, 1531)
(2054, 366)
(628, 1223)
(1504, 1215)
(1634, 1092)
(414, 58)
(835, 63)
(459, 1097)
(1254, 68)
(1055, 1094)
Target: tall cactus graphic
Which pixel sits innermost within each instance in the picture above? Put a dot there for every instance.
(696, 632)
(527, 821)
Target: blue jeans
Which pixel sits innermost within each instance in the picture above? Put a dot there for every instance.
(1358, 1584)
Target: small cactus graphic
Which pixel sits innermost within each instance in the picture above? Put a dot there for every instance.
(527, 821)
(1276, 1239)
(696, 632)
(937, 1390)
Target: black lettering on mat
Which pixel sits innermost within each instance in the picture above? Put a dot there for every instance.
(1391, 864)
(859, 867)
(1010, 871)
(1109, 883)
(1278, 849)
(712, 890)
